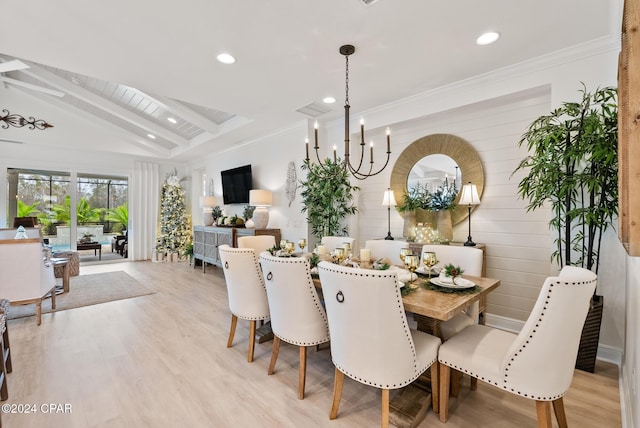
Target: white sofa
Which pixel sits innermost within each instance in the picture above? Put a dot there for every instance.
(25, 278)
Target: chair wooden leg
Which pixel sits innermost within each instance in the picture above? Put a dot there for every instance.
(252, 339)
(558, 409)
(4, 391)
(456, 378)
(274, 354)
(543, 410)
(302, 374)
(338, 381)
(445, 378)
(232, 330)
(435, 387)
(474, 383)
(385, 408)
(38, 313)
(7, 350)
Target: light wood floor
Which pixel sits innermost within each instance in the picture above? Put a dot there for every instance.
(161, 361)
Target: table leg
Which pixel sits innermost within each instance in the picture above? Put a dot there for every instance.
(65, 277)
(409, 406)
(100, 256)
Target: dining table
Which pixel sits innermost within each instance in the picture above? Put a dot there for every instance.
(429, 306)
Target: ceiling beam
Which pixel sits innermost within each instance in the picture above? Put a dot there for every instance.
(110, 107)
(31, 86)
(153, 148)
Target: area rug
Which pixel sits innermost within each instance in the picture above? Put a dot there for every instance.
(86, 290)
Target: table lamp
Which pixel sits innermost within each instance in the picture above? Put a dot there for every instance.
(387, 201)
(469, 196)
(261, 199)
(207, 203)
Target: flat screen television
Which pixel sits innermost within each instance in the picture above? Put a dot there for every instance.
(236, 184)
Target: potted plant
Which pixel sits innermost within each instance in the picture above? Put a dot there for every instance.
(573, 166)
(327, 195)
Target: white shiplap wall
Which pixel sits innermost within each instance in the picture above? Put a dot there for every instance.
(517, 243)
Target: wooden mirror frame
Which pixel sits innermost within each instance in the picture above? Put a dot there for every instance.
(458, 149)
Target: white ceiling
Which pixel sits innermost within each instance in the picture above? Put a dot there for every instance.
(287, 57)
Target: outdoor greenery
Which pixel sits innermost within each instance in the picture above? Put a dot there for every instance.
(573, 165)
(327, 195)
(119, 215)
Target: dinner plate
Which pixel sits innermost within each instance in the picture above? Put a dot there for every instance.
(422, 270)
(460, 284)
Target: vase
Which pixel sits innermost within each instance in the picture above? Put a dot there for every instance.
(445, 227)
(409, 228)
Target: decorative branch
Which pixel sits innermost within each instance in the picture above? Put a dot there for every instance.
(19, 121)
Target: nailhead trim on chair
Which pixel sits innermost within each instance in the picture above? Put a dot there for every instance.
(259, 270)
(417, 372)
(504, 381)
(311, 289)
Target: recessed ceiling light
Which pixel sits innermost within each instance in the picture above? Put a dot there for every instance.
(172, 120)
(226, 58)
(487, 38)
(328, 100)
(153, 137)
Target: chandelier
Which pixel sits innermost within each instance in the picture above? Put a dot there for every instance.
(358, 172)
(19, 121)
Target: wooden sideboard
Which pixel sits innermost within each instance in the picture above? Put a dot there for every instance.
(207, 239)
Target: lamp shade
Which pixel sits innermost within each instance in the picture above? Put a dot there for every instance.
(260, 198)
(469, 195)
(208, 201)
(389, 199)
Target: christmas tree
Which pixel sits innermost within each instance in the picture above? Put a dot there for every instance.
(175, 230)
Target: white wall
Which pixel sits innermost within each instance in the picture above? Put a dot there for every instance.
(269, 158)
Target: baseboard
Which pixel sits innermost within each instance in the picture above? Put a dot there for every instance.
(605, 352)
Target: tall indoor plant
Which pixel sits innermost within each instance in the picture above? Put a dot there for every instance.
(327, 195)
(573, 166)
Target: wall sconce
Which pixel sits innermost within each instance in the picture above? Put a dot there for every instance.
(207, 203)
(469, 197)
(261, 199)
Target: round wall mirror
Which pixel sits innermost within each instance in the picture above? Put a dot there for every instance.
(434, 156)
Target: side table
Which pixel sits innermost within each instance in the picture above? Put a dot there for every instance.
(64, 263)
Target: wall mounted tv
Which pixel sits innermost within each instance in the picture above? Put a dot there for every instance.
(236, 184)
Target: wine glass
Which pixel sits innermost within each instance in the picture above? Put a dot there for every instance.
(404, 252)
(302, 243)
(339, 254)
(290, 247)
(283, 244)
(411, 261)
(430, 260)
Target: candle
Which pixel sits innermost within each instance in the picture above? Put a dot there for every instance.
(371, 148)
(321, 249)
(365, 255)
(388, 140)
(306, 141)
(334, 152)
(315, 133)
(362, 131)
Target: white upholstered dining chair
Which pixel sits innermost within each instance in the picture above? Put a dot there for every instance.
(389, 249)
(245, 289)
(259, 243)
(538, 363)
(297, 315)
(370, 339)
(333, 242)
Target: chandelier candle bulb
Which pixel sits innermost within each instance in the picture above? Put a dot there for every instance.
(371, 147)
(315, 134)
(388, 140)
(306, 142)
(362, 131)
(334, 152)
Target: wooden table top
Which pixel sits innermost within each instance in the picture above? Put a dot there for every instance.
(439, 305)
